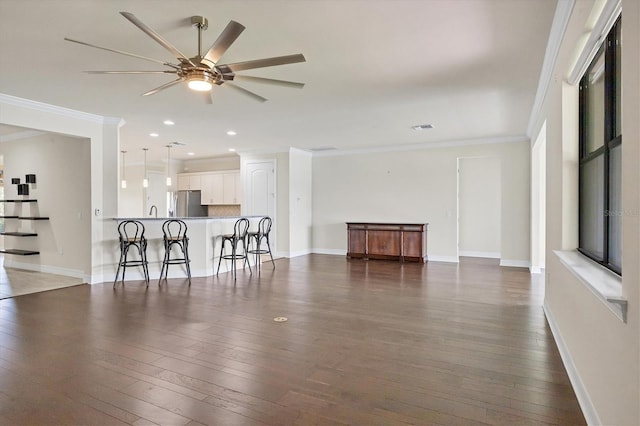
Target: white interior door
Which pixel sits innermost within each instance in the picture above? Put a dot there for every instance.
(259, 192)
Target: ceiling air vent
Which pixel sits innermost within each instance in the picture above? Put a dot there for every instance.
(422, 126)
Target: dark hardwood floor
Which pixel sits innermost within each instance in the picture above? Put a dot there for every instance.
(366, 343)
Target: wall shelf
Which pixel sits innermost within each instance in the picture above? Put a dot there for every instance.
(19, 252)
(19, 234)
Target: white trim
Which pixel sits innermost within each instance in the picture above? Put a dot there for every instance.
(558, 28)
(299, 253)
(515, 263)
(487, 254)
(55, 270)
(423, 145)
(603, 25)
(337, 252)
(603, 283)
(535, 270)
(449, 259)
(588, 409)
(53, 109)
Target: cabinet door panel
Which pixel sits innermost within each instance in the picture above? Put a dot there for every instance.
(357, 242)
(385, 243)
(413, 244)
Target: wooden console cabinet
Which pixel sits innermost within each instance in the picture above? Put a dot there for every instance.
(406, 242)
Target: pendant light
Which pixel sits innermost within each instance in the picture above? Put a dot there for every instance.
(123, 181)
(168, 165)
(145, 181)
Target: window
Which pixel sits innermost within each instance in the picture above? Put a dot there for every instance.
(600, 221)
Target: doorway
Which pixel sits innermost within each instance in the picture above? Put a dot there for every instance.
(156, 194)
(479, 207)
(259, 192)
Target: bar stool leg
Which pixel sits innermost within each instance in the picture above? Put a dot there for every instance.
(221, 254)
(270, 254)
(185, 252)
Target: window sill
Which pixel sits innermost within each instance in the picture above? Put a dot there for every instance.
(606, 285)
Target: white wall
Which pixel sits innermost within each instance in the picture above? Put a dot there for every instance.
(210, 164)
(62, 193)
(417, 186)
(601, 352)
(103, 134)
(300, 206)
(479, 207)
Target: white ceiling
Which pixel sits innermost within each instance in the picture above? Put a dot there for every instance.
(374, 68)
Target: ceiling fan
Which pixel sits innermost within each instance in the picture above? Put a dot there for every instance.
(201, 72)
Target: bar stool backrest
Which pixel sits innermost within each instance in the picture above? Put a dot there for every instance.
(241, 228)
(174, 230)
(264, 226)
(131, 231)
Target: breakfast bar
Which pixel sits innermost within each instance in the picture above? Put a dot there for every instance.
(204, 245)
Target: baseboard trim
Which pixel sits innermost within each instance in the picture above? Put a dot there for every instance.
(448, 259)
(588, 410)
(336, 252)
(47, 269)
(515, 263)
(299, 253)
(487, 254)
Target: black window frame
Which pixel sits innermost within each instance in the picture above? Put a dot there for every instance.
(612, 54)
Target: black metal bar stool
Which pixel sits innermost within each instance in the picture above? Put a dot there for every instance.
(239, 236)
(131, 234)
(175, 235)
(264, 228)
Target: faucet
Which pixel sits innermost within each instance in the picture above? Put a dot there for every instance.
(151, 210)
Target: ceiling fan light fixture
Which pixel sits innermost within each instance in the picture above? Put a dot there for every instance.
(200, 81)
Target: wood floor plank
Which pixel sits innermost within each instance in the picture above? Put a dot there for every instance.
(366, 343)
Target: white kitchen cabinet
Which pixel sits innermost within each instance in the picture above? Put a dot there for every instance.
(188, 182)
(212, 188)
(231, 183)
(221, 188)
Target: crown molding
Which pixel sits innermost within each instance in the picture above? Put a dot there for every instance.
(424, 145)
(54, 109)
(556, 35)
(603, 25)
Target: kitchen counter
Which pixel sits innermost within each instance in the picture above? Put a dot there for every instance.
(204, 246)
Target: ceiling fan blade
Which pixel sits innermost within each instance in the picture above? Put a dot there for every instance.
(262, 63)
(225, 39)
(164, 86)
(151, 33)
(246, 92)
(131, 72)
(124, 53)
(270, 81)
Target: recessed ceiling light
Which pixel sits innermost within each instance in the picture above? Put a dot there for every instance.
(168, 122)
(422, 126)
(190, 153)
(231, 133)
(232, 150)
(154, 135)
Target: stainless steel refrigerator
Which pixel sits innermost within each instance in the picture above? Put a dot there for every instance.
(188, 204)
